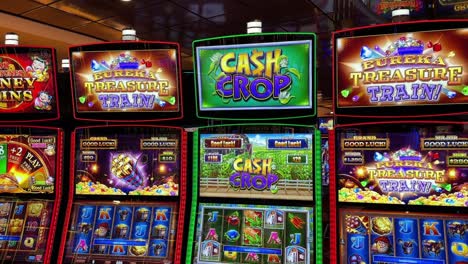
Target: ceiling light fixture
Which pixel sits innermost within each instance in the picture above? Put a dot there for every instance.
(129, 34)
(126, 0)
(11, 38)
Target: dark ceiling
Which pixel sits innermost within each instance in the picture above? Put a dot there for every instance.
(176, 20)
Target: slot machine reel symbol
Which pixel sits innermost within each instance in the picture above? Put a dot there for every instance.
(123, 214)
(160, 231)
(121, 230)
(126, 168)
(143, 215)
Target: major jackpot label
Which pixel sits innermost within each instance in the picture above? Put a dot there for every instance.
(420, 68)
(27, 81)
(131, 81)
(254, 234)
(401, 238)
(420, 167)
(255, 76)
(134, 233)
(267, 166)
(27, 163)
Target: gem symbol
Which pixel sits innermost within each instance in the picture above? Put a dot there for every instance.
(366, 53)
(451, 54)
(172, 100)
(451, 94)
(465, 91)
(82, 99)
(90, 104)
(345, 93)
(355, 98)
(436, 155)
(378, 156)
(437, 47)
(95, 66)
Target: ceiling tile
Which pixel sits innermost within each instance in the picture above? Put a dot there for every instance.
(100, 31)
(55, 17)
(169, 14)
(18, 6)
(198, 29)
(211, 8)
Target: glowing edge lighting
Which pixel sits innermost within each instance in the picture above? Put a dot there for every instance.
(317, 209)
(193, 207)
(318, 250)
(313, 68)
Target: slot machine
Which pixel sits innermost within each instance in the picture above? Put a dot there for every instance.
(127, 180)
(253, 194)
(30, 154)
(398, 171)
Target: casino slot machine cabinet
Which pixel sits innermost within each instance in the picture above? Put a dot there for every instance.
(400, 185)
(127, 180)
(253, 194)
(30, 155)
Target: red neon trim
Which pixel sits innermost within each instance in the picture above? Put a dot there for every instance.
(57, 188)
(182, 200)
(332, 196)
(54, 79)
(179, 67)
(63, 240)
(334, 96)
(182, 188)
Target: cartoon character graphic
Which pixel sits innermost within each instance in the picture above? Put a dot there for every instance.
(432, 247)
(407, 246)
(382, 245)
(43, 101)
(38, 69)
(102, 230)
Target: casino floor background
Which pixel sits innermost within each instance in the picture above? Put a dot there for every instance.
(64, 23)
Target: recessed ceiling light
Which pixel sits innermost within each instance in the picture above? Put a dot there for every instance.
(125, 0)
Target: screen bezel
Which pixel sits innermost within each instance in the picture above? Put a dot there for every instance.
(335, 205)
(252, 113)
(22, 117)
(127, 116)
(394, 111)
(180, 200)
(317, 195)
(56, 196)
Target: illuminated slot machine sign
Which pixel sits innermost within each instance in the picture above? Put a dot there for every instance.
(136, 173)
(28, 88)
(384, 8)
(113, 81)
(253, 76)
(29, 168)
(381, 237)
(421, 166)
(246, 174)
(412, 71)
(458, 8)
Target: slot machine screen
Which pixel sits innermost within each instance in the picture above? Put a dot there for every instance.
(237, 233)
(132, 162)
(126, 232)
(260, 165)
(113, 81)
(28, 85)
(416, 70)
(418, 166)
(399, 237)
(29, 168)
(254, 76)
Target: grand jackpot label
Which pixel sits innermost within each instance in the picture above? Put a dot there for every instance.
(420, 68)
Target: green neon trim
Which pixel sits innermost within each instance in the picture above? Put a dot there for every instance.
(313, 66)
(318, 250)
(193, 207)
(318, 199)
